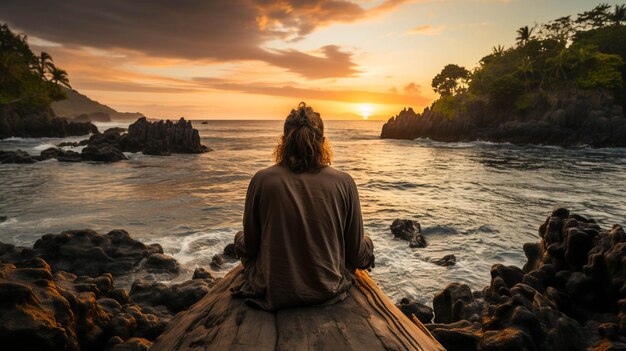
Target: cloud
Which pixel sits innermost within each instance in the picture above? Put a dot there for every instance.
(216, 30)
(426, 30)
(340, 95)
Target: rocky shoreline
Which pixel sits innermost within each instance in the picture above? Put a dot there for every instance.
(40, 123)
(161, 138)
(573, 118)
(65, 293)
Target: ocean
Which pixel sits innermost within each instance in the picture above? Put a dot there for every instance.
(479, 201)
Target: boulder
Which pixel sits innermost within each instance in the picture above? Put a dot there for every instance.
(408, 230)
(413, 308)
(447, 260)
(17, 156)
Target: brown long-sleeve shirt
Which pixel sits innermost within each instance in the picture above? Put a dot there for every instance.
(302, 237)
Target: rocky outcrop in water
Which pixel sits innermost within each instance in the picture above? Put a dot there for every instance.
(61, 294)
(160, 138)
(39, 123)
(408, 230)
(569, 118)
(570, 295)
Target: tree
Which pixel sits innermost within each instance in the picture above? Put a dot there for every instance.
(596, 18)
(524, 34)
(619, 15)
(560, 29)
(452, 80)
(59, 77)
(44, 65)
(498, 50)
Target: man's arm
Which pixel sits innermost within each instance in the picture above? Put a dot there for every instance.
(247, 242)
(359, 248)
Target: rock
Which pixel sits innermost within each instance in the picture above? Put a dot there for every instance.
(49, 153)
(569, 296)
(161, 138)
(3, 218)
(409, 230)
(70, 156)
(217, 261)
(565, 118)
(17, 156)
(176, 297)
(201, 273)
(449, 303)
(103, 153)
(459, 336)
(161, 262)
(85, 252)
(411, 307)
(133, 344)
(38, 123)
(447, 260)
(229, 251)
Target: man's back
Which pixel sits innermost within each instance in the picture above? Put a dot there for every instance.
(301, 230)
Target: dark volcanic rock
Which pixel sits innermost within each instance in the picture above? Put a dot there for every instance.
(411, 307)
(408, 230)
(104, 153)
(571, 295)
(85, 252)
(161, 262)
(175, 298)
(447, 260)
(17, 156)
(38, 123)
(44, 307)
(162, 138)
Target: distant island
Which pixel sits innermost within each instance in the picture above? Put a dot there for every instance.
(563, 83)
(81, 108)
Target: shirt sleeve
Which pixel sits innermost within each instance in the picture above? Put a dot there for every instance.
(247, 243)
(359, 248)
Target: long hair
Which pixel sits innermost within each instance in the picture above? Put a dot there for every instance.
(303, 147)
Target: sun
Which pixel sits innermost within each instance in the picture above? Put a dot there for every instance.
(365, 110)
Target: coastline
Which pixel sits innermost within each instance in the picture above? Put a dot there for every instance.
(547, 304)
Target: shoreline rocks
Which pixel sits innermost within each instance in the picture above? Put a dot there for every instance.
(570, 295)
(160, 138)
(62, 295)
(39, 123)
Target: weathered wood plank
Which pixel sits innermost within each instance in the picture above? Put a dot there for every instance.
(366, 319)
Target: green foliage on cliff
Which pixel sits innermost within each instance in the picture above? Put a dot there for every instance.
(27, 81)
(587, 52)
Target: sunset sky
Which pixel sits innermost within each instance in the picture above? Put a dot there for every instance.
(255, 59)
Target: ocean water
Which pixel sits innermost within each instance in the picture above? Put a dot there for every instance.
(479, 201)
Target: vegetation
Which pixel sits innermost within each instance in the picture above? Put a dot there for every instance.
(27, 81)
(587, 52)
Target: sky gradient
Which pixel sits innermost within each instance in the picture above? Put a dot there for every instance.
(257, 59)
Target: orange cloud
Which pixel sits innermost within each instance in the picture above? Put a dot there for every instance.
(216, 30)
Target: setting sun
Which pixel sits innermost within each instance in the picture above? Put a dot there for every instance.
(365, 110)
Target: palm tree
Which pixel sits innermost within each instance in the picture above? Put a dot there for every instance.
(44, 64)
(619, 15)
(59, 77)
(524, 34)
(498, 50)
(526, 67)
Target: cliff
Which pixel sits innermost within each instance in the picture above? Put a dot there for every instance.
(565, 118)
(37, 123)
(367, 319)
